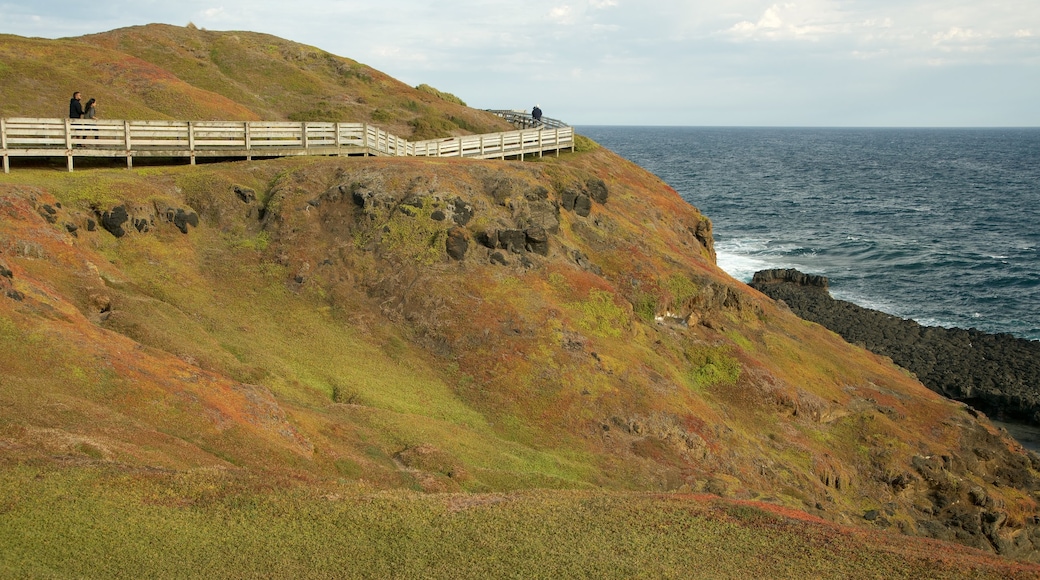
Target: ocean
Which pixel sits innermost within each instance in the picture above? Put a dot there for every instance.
(941, 226)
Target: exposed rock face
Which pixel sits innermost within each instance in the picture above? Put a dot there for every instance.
(142, 218)
(457, 243)
(703, 233)
(997, 373)
(114, 219)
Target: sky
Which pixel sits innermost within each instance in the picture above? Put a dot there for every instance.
(846, 63)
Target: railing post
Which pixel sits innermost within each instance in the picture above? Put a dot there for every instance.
(68, 143)
(191, 143)
(364, 137)
(3, 145)
(339, 143)
(303, 135)
(248, 138)
(540, 144)
(129, 145)
(502, 145)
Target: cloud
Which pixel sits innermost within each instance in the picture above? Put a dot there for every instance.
(645, 61)
(561, 14)
(792, 21)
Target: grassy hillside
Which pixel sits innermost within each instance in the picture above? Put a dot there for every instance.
(470, 365)
(168, 72)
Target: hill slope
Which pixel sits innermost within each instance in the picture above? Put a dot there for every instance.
(221, 339)
(168, 72)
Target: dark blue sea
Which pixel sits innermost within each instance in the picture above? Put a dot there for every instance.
(938, 225)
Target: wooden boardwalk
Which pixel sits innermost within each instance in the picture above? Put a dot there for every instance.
(72, 138)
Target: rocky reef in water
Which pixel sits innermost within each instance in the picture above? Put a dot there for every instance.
(998, 374)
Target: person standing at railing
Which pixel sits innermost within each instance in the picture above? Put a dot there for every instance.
(75, 107)
(536, 114)
(90, 112)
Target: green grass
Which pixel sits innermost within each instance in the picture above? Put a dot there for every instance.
(601, 316)
(711, 366)
(106, 524)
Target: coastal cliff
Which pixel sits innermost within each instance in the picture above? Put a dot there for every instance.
(434, 350)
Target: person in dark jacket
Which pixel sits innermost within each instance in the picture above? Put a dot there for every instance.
(536, 113)
(75, 107)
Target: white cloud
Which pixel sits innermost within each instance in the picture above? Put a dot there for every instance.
(652, 61)
(560, 13)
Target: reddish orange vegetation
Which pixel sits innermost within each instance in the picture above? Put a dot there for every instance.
(301, 337)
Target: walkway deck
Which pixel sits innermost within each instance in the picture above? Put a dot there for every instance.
(72, 138)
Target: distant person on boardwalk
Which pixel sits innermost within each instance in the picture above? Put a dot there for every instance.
(90, 112)
(536, 114)
(75, 107)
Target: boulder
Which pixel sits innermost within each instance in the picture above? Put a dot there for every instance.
(182, 219)
(488, 239)
(114, 219)
(513, 240)
(537, 240)
(583, 205)
(457, 243)
(569, 197)
(463, 211)
(597, 189)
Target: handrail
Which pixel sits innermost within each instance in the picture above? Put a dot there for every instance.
(524, 120)
(70, 138)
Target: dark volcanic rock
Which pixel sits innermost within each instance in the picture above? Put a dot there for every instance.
(247, 195)
(997, 373)
(789, 275)
(488, 239)
(537, 240)
(457, 243)
(583, 205)
(182, 219)
(113, 220)
(463, 211)
(512, 240)
(568, 198)
(597, 189)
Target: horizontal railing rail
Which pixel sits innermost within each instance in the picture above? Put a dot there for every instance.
(70, 138)
(524, 120)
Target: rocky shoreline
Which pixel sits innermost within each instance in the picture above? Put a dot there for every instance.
(999, 374)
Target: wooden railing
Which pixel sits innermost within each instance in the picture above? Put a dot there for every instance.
(71, 138)
(524, 120)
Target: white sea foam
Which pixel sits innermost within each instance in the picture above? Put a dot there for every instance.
(741, 258)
